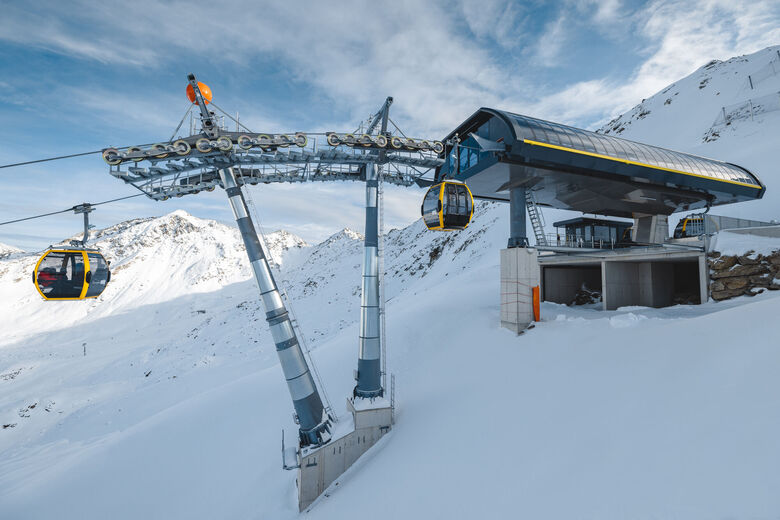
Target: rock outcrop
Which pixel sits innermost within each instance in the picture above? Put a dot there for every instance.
(750, 274)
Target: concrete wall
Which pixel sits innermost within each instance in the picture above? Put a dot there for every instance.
(764, 231)
(560, 284)
(519, 274)
(656, 284)
(320, 467)
(620, 284)
(650, 284)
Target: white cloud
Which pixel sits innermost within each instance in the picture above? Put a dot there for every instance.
(547, 51)
(680, 36)
(440, 62)
(355, 54)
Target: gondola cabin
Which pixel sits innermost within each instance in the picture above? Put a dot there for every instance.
(71, 274)
(447, 206)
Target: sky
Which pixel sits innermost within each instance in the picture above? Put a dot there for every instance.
(81, 76)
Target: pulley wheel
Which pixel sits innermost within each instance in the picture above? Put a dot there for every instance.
(182, 147)
(224, 143)
(203, 145)
(333, 139)
(111, 156)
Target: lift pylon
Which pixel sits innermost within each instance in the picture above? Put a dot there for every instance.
(311, 415)
(215, 157)
(369, 371)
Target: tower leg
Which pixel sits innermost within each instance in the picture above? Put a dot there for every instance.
(369, 374)
(312, 417)
(517, 231)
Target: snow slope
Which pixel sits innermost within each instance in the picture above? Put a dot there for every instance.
(682, 117)
(6, 250)
(176, 407)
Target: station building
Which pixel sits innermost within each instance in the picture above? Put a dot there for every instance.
(529, 162)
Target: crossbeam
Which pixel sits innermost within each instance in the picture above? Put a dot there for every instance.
(176, 176)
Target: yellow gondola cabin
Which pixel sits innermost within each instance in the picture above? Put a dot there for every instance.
(71, 274)
(447, 206)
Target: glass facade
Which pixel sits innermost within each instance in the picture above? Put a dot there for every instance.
(99, 276)
(588, 232)
(61, 275)
(591, 142)
(430, 207)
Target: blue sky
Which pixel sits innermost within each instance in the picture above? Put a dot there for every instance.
(80, 76)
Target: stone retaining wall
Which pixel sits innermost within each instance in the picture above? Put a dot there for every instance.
(749, 274)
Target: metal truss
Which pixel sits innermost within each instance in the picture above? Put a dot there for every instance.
(189, 165)
(179, 175)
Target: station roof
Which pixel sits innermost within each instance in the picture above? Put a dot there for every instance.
(571, 168)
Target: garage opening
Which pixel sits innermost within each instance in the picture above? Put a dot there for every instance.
(572, 284)
(659, 283)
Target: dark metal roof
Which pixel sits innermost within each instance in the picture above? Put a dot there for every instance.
(571, 168)
(544, 133)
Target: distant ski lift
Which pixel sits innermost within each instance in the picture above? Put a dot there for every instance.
(447, 206)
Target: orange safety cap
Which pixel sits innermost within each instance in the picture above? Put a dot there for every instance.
(204, 90)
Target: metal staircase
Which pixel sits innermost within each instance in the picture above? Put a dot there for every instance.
(535, 215)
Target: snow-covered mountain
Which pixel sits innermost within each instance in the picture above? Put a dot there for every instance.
(728, 110)
(163, 398)
(6, 250)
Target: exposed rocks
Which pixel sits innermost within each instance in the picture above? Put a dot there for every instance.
(738, 282)
(722, 263)
(751, 258)
(728, 293)
(748, 274)
(740, 270)
(686, 298)
(586, 296)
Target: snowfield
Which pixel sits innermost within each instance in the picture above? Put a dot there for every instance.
(177, 406)
(163, 398)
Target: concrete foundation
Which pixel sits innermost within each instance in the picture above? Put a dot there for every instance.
(519, 275)
(320, 466)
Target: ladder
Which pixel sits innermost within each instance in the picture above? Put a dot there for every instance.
(381, 254)
(535, 215)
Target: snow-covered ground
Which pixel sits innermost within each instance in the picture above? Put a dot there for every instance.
(176, 408)
(163, 398)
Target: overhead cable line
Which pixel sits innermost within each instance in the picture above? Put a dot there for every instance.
(69, 209)
(50, 159)
(59, 157)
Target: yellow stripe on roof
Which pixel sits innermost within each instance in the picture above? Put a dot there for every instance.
(626, 161)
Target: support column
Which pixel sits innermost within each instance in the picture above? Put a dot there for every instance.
(369, 372)
(313, 420)
(517, 232)
(519, 275)
(650, 229)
